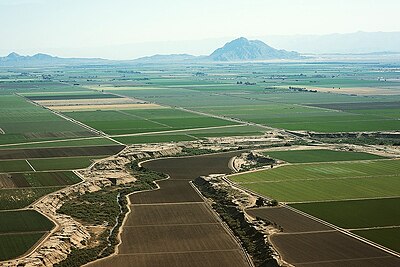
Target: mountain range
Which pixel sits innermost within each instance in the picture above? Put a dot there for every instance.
(242, 49)
(45, 59)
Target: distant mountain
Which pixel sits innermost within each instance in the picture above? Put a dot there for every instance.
(344, 43)
(44, 59)
(166, 58)
(242, 49)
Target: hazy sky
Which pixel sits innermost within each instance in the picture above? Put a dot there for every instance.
(76, 27)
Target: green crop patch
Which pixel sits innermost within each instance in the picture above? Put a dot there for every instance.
(70, 163)
(21, 121)
(329, 189)
(64, 143)
(325, 181)
(14, 166)
(388, 237)
(355, 213)
(116, 122)
(14, 245)
(319, 155)
(40, 179)
(23, 221)
(322, 171)
(23, 197)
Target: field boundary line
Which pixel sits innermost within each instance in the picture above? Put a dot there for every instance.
(172, 224)
(373, 228)
(342, 260)
(338, 200)
(9, 146)
(307, 232)
(22, 233)
(177, 130)
(322, 179)
(166, 203)
(143, 118)
(179, 252)
(30, 165)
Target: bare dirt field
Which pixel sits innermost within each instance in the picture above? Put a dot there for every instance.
(172, 226)
(59, 152)
(189, 168)
(187, 213)
(169, 192)
(318, 248)
(175, 238)
(290, 221)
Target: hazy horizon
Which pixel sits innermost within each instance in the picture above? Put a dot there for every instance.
(125, 29)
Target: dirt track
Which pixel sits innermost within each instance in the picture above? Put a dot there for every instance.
(172, 226)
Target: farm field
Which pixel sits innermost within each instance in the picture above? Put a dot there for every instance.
(387, 237)
(355, 213)
(62, 143)
(18, 190)
(319, 155)
(25, 122)
(70, 163)
(118, 122)
(23, 221)
(14, 166)
(14, 245)
(56, 152)
(18, 198)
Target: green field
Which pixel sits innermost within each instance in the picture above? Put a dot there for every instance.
(325, 181)
(14, 166)
(23, 197)
(65, 143)
(14, 245)
(388, 237)
(322, 171)
(23, 221)
(22, 121)
(42, 179)
(115, 122)
(71, 163)
(356, 213)
(328, 189)
(319, 155)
